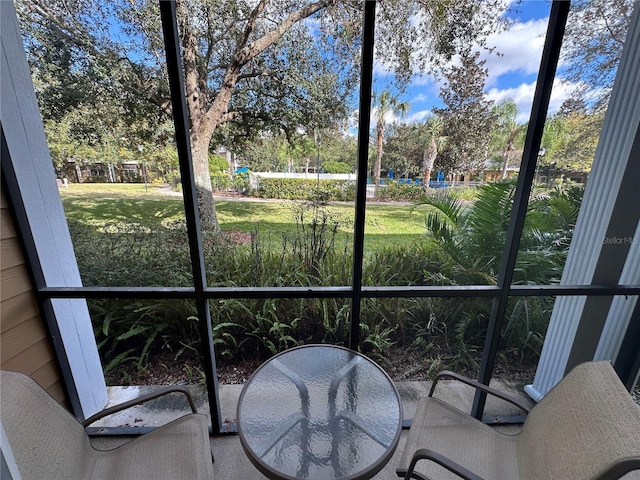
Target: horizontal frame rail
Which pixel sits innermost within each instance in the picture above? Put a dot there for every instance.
(338, 292)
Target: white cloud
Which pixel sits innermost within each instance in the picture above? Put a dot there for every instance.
(421, 97)
(418, 117)
(520, 50)
(517, 50)
(522, 95)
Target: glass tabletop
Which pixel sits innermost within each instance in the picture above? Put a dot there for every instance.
(319, 412)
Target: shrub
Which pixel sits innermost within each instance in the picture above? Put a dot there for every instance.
(218, 164)
(395, 191)
(174, 180)
(464, 192)
(333, 166)
(131, 254)
(306, 189)
(131, 330)
(220, 181)
(240, 183)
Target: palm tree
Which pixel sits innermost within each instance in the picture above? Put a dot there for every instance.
(434, 141)
(507, 132)
(386, 103)
(554, 138)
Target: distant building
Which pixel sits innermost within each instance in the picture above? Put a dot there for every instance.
(102, 172)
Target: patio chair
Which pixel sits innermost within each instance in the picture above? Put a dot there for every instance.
(47, 442)
(586, 427)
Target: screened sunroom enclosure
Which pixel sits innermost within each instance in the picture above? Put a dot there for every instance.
(596, 314)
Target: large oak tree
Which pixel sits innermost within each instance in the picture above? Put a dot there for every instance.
(250, 65)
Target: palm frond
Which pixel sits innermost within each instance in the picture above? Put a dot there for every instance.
(448, 207)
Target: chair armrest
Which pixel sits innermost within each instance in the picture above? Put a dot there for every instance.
(428, 454)
(139, 400)
(619, 469)
(479, 386)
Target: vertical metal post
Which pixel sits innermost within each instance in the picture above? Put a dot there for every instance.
(546, 75)
(183, 144)
(366, 81)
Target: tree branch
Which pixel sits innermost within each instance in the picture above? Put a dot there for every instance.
(251, 23)
(609, 28)
(254, 74)
(72, 33)
(250, 51)
(245, 53)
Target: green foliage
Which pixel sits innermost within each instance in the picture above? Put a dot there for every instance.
(385, 103)
(315, 237)
(332, 166)
(570, 140)
(396, 191)
(218, 164)
(266, 153)
(240, 183)
(219, 172)
(525, 326)
(471, 237)
(463, 192)
(259, 327)
(137, 254)
(132, 254)
(404, 149)
(132, 330)
(467, 117)
(461, 249)
(377, 340)
(303, 189)
(593, 46)
(221, 181)
(507, 137)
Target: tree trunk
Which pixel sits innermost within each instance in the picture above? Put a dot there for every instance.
(505, 164)
(203, 125)
(202, 178)
(507, 151)
(209, 109)
(426, 175)
(428, 159)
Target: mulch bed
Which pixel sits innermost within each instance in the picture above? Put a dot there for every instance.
(401, 364)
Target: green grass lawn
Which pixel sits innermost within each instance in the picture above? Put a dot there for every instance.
(100, 203)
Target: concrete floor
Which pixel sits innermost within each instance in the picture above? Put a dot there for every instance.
(165, 409)
(231, 463)
(230, 460)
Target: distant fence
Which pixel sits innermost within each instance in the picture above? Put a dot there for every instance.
(255, 176)
(310, 176)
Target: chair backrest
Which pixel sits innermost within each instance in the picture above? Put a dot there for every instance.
(46, 441)
(585, 425)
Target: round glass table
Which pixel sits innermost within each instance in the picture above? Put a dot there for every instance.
(319, 412)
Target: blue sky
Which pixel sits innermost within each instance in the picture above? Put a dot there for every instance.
(512, 75)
